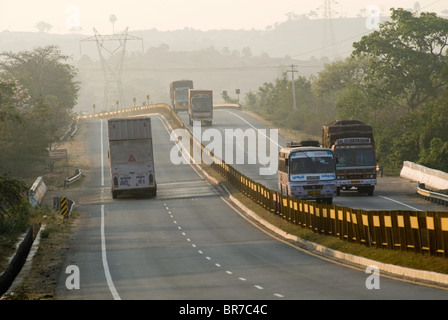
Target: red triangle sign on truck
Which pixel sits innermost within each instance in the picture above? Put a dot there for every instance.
(131, 158)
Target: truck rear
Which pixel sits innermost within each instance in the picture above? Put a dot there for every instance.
(179, 94)
(200, 107)
(131, 156)
(353, 144)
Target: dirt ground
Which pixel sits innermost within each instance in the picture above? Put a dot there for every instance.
(40, 281)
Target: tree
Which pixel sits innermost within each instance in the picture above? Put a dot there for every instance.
(113, 19)
(43, 72)
(36, 99)
(42, 26)
(274, 101)
(14, 206)
(407, 58)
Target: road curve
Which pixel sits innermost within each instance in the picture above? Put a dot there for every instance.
(190, 243)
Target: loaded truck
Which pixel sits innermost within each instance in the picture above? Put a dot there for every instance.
(131, 156)
(353, 144)
(307, 171)
(200, 106)
(179, 94)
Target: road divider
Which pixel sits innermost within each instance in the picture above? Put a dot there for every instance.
(37, 192)
(434, 179)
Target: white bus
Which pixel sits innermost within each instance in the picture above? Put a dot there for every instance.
(307, 172)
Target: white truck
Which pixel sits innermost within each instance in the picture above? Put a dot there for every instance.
(131, 156)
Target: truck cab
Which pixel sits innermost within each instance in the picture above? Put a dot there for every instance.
(200, 107)
(353, 144)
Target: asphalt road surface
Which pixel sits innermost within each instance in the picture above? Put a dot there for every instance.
(190, 243)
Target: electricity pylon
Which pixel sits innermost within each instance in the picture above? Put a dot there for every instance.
(328, 37)
(111, 49)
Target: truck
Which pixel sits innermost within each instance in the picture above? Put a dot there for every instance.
(200, 106)
(131, 156)
(354, 147)
(179, 94)
(307, 171)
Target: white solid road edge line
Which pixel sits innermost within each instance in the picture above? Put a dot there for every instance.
(401, 203)
(110, 283)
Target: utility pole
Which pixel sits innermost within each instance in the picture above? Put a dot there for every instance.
(293, 70)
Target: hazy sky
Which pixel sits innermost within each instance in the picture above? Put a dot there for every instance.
(22, 15)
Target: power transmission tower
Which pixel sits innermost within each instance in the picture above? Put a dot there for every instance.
(328, 37)
(111, 49)
(293, 70)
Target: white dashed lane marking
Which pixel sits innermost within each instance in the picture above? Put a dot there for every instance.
(216, 264)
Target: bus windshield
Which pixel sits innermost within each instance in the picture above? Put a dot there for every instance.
(311, 162)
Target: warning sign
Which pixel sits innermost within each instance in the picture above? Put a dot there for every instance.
(58, 154)
(64, 209)
(131, 158)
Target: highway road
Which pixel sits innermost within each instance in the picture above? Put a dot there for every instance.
(190, 243)
(391, 193)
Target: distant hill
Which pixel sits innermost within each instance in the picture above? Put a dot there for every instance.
(217, 59)
(302, 38)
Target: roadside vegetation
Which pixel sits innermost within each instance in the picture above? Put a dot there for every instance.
(396, 80)
(37, 94)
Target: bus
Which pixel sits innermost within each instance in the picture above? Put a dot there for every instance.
(307, 171)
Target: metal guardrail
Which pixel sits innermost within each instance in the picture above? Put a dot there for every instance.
(76, 177)
(432, 196)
